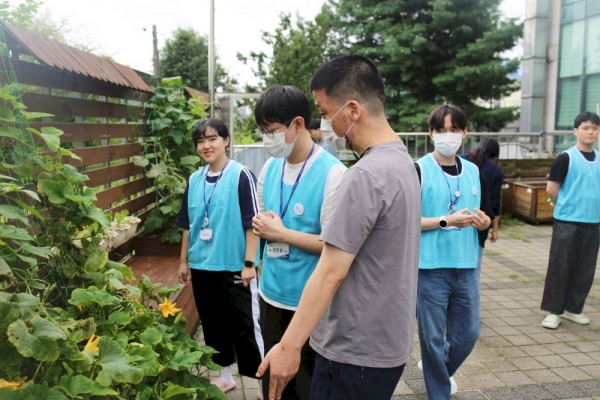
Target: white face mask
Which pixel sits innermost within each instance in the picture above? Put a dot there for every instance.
(447, 143)
(326, 126)
(276, 146)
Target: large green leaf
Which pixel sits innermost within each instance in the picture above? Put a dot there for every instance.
(95, 262)
(33, 392)
(14, 306)
(190, 160)
(13, 213)
(5, 268)
(10, 356)
(95, 214)
(151, 336)
(12, 232)
(38, 251)
(35, 115)
(174, 391)
(184, 359)
(40, 342)
(71, 174)
(116, 366)
(92, 296)
(157, 170)
(55, 190)
(51, 137)
(76, 385)
(14, 133)
(146, 359)
(119, 318)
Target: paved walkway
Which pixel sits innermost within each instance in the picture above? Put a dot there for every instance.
(515, 357)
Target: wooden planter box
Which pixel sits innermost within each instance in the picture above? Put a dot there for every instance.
(527, 199)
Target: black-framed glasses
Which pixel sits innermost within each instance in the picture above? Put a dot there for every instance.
(270, 133)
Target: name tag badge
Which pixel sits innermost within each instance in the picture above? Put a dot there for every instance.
(278, 250)
(206, 234)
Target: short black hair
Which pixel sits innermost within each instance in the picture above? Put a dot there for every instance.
(436, 117)
(351, 77)
(281, 103)
(216, 124)
(315, 123)
(585, 117)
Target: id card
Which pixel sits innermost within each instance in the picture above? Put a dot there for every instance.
(206, 234)
(278, 250)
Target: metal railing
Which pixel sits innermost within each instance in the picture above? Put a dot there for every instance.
(513, 145)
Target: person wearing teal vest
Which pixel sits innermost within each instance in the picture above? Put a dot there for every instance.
(218, 250)
(574, 187)
(292, 189)
(455, 206)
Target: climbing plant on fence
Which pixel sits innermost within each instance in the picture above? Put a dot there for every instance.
(171, 157)
(73, 324)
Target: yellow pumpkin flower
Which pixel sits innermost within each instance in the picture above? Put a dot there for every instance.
(12, 385)
(167, 308)
(92, 344)
(79, 307)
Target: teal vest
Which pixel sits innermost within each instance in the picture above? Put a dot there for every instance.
(226, 250)
(448, 248)
(579, 195)
(282, 280)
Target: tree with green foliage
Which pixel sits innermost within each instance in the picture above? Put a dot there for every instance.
(434, 51)
(186, 55)
(298, 49)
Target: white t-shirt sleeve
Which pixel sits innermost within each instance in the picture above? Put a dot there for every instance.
(260, 184)
(333, 180)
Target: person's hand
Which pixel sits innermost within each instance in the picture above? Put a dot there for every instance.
(247, 275)
(493, 235)
(268, 226)
(283, 365)
(183, 274)
(461, 218)
(481, 221)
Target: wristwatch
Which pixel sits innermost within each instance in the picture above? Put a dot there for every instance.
(249, 264)
(442, 222)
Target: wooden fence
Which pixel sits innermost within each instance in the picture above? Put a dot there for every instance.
(99, 105)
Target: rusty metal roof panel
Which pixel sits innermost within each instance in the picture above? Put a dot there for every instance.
(68, 58)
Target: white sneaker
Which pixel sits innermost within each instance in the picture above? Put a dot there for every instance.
(453, 386)
(580, 319)
(551, 321)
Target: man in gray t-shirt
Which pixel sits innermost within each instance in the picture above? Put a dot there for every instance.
(370, 320)
(360, 302)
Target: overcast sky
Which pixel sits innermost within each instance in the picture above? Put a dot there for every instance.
(122, 29)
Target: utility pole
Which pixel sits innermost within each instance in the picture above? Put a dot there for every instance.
(155, 59)
(211, 60)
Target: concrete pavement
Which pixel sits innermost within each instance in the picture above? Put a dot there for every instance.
(515, 357)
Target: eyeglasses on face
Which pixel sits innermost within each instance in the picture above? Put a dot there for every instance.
(270, 133)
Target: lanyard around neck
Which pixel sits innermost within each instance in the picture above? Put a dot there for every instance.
(453, 198)
(207, 203)
(282, 209)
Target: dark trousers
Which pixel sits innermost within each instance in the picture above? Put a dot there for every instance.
(229, 315)
(273, 322)
(571, 267)
(337, 381)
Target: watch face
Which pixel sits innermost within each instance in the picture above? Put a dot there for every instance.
(248, 264)
(443, 223)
